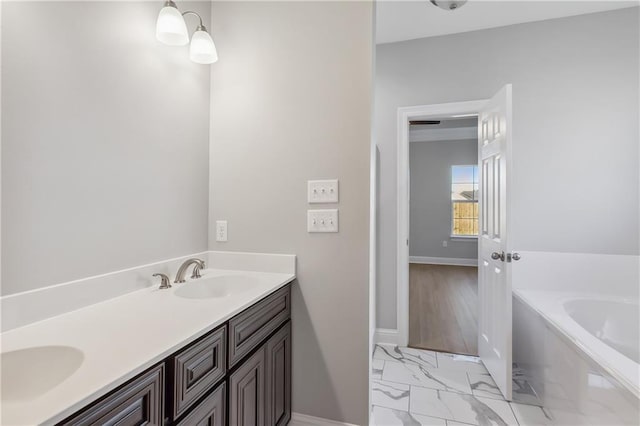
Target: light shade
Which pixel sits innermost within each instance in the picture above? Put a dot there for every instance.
(449, 4)
(171, 28)
(202, 50)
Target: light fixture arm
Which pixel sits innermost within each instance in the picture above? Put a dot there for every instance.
(201, 27)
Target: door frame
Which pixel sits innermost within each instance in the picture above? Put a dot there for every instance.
(405, 114)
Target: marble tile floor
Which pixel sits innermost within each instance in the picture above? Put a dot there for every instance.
(418, 387)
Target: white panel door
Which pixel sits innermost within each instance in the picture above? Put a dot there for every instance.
(494, 256)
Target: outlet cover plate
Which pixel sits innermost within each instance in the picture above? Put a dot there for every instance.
(221, 230)
(322, 220)
(322, 191)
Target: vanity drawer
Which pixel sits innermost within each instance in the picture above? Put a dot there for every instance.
(249, 328)
(210, 412)
(136, 403)
(197, 368)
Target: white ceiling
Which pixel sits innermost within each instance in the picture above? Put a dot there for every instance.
(407, 20)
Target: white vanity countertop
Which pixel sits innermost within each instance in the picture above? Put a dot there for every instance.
(122, 337)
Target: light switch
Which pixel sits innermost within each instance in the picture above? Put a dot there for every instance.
(221, 230)
(322, 220)
(322, 191)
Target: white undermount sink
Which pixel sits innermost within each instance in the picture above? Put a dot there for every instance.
(31, 372)
(216, 287)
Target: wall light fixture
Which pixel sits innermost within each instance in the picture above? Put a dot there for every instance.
(171, 29)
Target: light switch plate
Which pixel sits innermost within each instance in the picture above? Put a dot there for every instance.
(221, 230)
(322, 220)
(322, 191)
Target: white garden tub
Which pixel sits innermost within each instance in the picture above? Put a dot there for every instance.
(616, 323)
(605, 328)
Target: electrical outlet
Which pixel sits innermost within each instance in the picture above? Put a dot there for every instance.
(221, 230)
(444, 243)
(322, 220)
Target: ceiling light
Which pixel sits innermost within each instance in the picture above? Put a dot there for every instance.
(449, 4)
(171, 29)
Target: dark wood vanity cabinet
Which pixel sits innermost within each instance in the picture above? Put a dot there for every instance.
(196, 369)
(138, 402)
(236, 375)
(210, 412)
(247, 392)
(248, 329)
(278, 377)
(260, 388)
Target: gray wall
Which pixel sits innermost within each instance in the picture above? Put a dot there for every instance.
(104, 142)
(291, 101)
(575, 129)
(430, 202)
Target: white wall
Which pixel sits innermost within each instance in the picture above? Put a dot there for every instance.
(291, 101)
(430, 201)
(612, 275)
(104, 142)
(575, 108)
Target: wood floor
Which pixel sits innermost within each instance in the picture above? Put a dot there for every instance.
(443, 308)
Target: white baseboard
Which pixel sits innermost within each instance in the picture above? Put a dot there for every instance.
(386, 336)
(454, 261)
(298, 419)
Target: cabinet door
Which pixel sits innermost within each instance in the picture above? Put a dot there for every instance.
(210, 412)
(246, 392)
(197, 369)
(278, 370)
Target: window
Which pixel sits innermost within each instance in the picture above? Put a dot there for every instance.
(464, 201)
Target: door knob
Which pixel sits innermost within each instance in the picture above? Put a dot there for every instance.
(515, 256)
(495, 256)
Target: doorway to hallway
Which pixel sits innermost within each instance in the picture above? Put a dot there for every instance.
(443, 314)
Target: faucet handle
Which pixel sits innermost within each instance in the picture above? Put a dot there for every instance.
(164, 281)
(196, 270)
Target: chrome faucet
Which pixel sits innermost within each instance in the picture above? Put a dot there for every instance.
(164, 281)
(199, 266)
